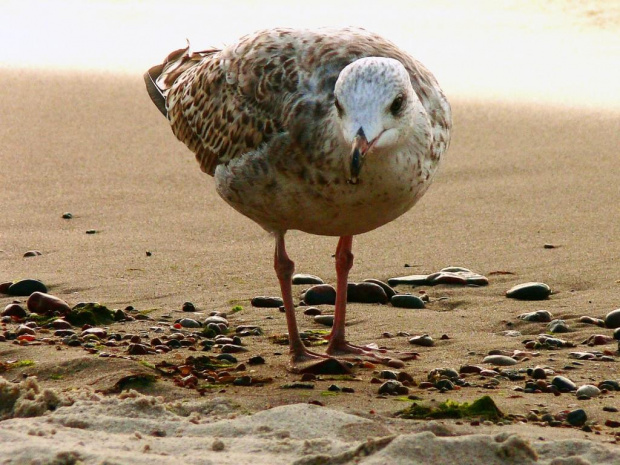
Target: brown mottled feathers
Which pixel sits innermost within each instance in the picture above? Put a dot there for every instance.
(222, 104)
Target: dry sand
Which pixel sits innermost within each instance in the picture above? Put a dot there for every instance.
(516, 177)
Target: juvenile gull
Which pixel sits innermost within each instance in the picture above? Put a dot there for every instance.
(331, 132)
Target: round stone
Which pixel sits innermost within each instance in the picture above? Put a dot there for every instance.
(188, 307)
(558, 326)
(99, 332)
(407, 301)
(14, 310)
(216, 320)
(612, 319)
(301, 278)
(617, 334)
(529, 291)
(577, 417)
(499, 360)
(256, 360)
(388, 374)
(32, 253)
(386, 288)
(67, 215)
(42, 303)
(25, 330)
(563, 384)
(322, 294)
(189, 323)
(326, 320)
(412, 280)
(393, 388)
(588, 390)
(267, 302)
(312, 311)
(137, 349)
(424, 341)
(540, 316)
(25, 287)
(366, 293)
(227, 357)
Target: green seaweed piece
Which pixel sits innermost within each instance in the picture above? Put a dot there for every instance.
(483, 408)
(235, 309)
(91, 313)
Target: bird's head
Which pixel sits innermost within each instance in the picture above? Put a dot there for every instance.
(376, 107)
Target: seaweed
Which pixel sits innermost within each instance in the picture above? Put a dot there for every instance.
(483, 408)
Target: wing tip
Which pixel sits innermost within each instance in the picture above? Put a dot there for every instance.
(150, 78)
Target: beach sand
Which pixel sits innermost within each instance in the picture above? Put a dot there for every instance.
(516, 177)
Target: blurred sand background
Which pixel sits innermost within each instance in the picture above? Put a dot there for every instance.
(534, 160)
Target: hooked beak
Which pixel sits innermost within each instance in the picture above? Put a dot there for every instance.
(358, 153)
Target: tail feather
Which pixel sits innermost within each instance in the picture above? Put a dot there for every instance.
(159, 79)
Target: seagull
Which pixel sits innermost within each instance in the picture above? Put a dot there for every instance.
(333, 132)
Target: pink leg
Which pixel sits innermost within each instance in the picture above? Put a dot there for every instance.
(337, 343)
(285, 267)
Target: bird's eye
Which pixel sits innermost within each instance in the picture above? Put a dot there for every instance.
(338, 107)
(397, 104)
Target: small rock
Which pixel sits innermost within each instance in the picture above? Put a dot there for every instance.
(306, 279)
(227, 357)
(312, 311)
(188, 307)
(386, 288)
(425, 341)
(388, 374)
(25, 287)
(563, 384)
(412, 280)
(24, 330)
(216, 320)
(366, 293)
(137, 349)
(529, 291)
(592, 321)
(322, 294)
(267, 302)
(610, 385)
(617, 334)
(457, 275)
(328, 366)
(558, 326)
(577, 417)
(189, 323)
(393, 388)
(407, 301)
(14, 310)
(396, 363)
(32, 253)
(232, 349)
(588, 390)
(42, 303)
(298, 385)
(4, 287)
(540, 316)
(99, 332)
(67, 215)
(334, 388)
(218, 445)
(243, 381)
(91, 231)
(256, 360)
(612, 319)
(499, 360)
(598, 340)
(326, 320)
(470, 369)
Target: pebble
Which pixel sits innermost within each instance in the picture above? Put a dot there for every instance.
(558, 326)
(592, 321)
(328, 366)
(439, 373)
(540, 316)
(137, 349)
(366, 293)
(393, 388)
(64, 332)
(563, 384)
(301, 278)
(25, 287)
(267, 302)
(243, 381)
(189, 323)
(216, 320)
(227, 357)
(395, 363)
(470, 369)
(256, 360)
(218, 445)
(67, 215)
(23, 329)
(232, 349)
(499, 360)
(598, 340)
(322, 294)
(325, 320)
(388, 374)
(389, 291)
(15, 310)
(99, 332)
(617, 334)
(577, 417)
(334, 388)
(32, 253)
(529, 291)
(4, 287)
(188, 307)
(43, 303)
(91, 231)
(424, 341)
(412, 280)
(612, 319)
(457, 275)
(298, 385)
(588, 390)
(312, 311)
(407, 301)
(610, 385)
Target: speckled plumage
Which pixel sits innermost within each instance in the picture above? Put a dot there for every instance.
(260, 117)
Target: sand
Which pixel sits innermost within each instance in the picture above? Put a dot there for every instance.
(517, 177)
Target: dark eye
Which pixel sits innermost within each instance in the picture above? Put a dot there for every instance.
(338, 108)
(397, 105)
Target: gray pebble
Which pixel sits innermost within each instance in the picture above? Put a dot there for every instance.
(189, 323)
(499, 360)
(32, 253)
(407, 301)
(388, 374)
(326, 320)
(306, 279)
(563, 384)
(612, 319)
(227, 357)
(577, 417)
(529, 291)
(588, 390)
(393, 388)
(216, 319)
(322, 294)
(540, 316)
(558, 326)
